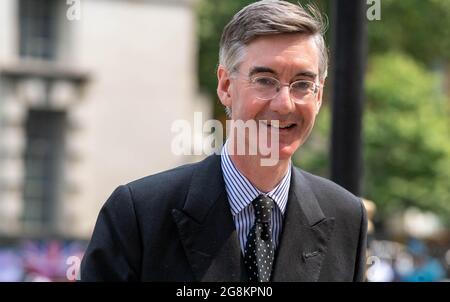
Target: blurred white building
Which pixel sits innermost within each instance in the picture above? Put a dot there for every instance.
(87, 104)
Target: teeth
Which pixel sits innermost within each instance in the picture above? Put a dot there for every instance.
(287, 126)
(279, 127)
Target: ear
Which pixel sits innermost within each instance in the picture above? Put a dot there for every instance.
(223, 86)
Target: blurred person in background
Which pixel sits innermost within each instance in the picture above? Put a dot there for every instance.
(426, 268)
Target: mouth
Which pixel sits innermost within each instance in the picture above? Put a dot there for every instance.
(280, 126)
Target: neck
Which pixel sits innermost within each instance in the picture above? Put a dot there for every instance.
(265, 178)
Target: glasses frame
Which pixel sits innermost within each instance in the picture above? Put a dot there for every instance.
(251, 80)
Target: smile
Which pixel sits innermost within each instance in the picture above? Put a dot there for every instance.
(280, 126)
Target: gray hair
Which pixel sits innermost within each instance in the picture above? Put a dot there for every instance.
(271, 17)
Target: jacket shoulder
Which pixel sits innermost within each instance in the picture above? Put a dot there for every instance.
(168, 178)
(333, 198)
(166, 186)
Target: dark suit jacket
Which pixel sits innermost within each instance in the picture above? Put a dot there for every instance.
(177, 226)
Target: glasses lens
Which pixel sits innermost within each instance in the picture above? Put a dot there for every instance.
(265, 87)
(302, 90)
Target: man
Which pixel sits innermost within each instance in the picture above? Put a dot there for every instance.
(228, 217)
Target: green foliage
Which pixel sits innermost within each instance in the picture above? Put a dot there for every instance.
(406, 137)
(420, 28)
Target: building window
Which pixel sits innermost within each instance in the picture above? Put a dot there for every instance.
(44, 158)
(38, 35)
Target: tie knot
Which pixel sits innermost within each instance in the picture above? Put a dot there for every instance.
(263, 208)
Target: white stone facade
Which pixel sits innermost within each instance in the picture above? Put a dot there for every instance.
(123, 73)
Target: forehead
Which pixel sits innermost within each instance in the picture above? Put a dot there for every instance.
(283, 53)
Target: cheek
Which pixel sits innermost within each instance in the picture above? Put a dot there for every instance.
(307, 112)
(246, 108)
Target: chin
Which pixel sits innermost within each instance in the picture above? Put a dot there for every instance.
(286, 151)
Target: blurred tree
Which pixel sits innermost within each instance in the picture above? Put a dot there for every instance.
(407, 146)
(417, 27)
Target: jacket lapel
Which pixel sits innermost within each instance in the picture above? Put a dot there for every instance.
(306, 231)
(210, 241)
(206, 226)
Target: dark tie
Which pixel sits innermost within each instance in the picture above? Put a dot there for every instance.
(259, 251)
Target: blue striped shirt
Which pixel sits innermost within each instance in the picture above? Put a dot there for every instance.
(241, 193)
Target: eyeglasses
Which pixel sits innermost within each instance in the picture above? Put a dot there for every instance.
(267, 88)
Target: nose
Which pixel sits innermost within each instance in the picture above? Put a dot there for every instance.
(282, 103)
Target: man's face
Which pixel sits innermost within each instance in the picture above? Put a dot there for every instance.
(287, 58)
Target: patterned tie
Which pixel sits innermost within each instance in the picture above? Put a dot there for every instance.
(259, 251)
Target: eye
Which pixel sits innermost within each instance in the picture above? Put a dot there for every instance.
(303, 86)
(265, 82)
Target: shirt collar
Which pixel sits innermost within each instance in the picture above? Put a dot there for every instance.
(240, 190)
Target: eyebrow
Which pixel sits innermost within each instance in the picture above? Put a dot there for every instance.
(259, 69)
(262, 69)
